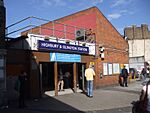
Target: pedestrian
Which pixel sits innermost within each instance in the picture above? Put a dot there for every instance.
(143, 104)
(67, 79)
(144, 73)
(89, 74)
(60, 81)
(145, 99)
(148, 72)
(125, 75)
(22, 89)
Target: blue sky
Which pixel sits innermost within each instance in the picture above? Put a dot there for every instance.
(121, 13)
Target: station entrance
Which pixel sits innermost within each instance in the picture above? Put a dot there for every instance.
(47, 78)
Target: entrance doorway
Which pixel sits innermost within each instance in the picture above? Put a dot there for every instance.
(81, 81)
(72, 78)
(47, 79)
(67, 72)
(47, 76)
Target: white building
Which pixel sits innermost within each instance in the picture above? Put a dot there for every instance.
(139, 45)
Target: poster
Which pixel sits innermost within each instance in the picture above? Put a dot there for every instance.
(110, 70)
(105, 69)
(116, 68)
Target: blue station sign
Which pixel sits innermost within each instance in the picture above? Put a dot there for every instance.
(62, 47)
(63, 57)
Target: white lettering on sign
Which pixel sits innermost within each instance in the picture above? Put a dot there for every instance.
(82, 49)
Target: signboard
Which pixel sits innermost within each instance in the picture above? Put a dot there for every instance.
(62, 47)
(61, 57)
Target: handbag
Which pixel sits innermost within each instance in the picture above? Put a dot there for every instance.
(144, 103)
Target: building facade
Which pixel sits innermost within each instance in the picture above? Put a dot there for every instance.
(71, 44)
(138, 40)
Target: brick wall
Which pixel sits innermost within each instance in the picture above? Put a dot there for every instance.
(106, 34)
(115, 48)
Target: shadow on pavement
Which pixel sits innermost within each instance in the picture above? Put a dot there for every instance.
(43, 105)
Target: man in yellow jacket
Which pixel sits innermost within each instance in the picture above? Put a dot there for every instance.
(89, 74)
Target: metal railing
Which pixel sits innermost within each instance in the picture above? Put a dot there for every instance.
(42, 27)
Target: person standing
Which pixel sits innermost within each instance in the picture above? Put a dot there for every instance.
(148, 72)
(67, 79)
(145, 96)
(89, 74)
(144, 73)
(22, 89)
(125, 76)
(60, 81)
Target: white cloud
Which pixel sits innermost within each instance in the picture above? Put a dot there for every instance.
(43, 4)
(118, 3)
(120, 8)
(119, 14)
(60, 2)
(39, 4)
(95, 2)
(47, 2)
(86, 4)
(114, 16)
(123, 11)
(33, 2)
(54, 2)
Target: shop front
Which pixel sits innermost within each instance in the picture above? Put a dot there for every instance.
(53, 57)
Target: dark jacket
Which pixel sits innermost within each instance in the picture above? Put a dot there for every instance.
(144, 71)
(124, 73)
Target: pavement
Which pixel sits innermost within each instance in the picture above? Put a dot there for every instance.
(112, 99)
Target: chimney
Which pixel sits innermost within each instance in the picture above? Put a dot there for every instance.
(144, 31)
(144, 26)
(2, 23)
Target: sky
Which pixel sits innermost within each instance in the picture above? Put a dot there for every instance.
(121, 13)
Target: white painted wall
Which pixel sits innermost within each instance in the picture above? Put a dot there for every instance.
(138, 48)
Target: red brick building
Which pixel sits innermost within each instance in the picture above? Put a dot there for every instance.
(98, 32)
